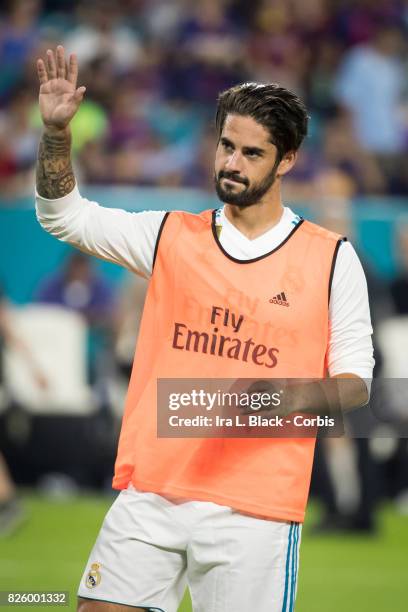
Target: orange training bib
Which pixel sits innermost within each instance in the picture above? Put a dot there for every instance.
(208, 315)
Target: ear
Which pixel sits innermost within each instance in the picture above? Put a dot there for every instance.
(287, 162)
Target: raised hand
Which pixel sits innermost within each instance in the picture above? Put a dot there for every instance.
(59, 96)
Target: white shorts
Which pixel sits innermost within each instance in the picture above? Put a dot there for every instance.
(149, 548)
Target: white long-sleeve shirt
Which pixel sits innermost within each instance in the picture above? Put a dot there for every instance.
(129, 239)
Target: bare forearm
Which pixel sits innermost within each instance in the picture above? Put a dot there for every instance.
(328, 396)
(55, 177)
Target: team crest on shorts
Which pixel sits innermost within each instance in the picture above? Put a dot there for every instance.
(94, 576)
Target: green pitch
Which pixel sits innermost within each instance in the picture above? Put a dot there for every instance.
(336, 573)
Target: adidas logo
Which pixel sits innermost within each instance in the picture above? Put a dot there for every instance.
(279, 299)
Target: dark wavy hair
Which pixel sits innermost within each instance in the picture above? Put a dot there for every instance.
(277, 109)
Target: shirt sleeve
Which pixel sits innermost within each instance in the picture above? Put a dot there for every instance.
(121, 237)
(350, 345)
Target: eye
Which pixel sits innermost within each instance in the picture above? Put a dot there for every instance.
(227, 145)
(252, 154)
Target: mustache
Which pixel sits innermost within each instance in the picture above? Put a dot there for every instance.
(233, 176)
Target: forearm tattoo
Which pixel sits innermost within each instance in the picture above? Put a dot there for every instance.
(55, 177)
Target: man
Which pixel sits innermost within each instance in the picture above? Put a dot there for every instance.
(224, 514)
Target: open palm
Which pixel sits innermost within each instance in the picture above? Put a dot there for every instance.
(59, 96)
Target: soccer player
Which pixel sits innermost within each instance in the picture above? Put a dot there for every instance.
(247, 291)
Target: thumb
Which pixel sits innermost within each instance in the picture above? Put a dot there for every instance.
(79, 93)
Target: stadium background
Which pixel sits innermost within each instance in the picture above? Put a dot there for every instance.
(143, 139)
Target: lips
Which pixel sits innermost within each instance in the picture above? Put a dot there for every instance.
(230, 180)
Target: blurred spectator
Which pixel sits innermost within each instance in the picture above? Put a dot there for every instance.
(79, 287)
(102, 32)
(371, 84)
(19, 35)
(356, 21)
(275, 49)
(207, 56)
(162, 18)
(19, 138)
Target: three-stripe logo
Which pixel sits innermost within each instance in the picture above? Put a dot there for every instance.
(280, 299)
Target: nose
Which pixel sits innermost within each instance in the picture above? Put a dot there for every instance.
(233, 162)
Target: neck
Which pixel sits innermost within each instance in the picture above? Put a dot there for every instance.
(255, 220)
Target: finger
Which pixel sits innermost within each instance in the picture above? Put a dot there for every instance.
(61, 68)
(79, 94)
(42, 72)
(73, 69)
(51, 67)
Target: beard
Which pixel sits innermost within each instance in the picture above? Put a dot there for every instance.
(252, 194)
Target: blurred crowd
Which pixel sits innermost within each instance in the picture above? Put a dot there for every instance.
(153, 70)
